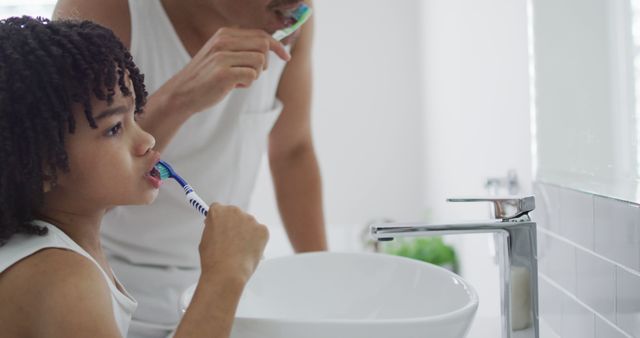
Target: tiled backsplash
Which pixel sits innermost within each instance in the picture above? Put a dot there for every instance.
(589, 263)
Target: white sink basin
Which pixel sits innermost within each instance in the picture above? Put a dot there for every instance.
(352, 295)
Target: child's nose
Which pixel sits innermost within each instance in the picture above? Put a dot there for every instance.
(145, 143)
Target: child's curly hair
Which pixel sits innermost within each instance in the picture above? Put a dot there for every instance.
(45, 68)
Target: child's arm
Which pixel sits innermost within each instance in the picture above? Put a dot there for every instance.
(56, 293)
(230, 250)
(60, 294)
(213, 307)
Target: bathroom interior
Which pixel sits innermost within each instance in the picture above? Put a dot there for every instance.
(417, 101)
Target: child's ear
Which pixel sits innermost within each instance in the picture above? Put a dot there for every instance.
(47, 181)
(46, 186)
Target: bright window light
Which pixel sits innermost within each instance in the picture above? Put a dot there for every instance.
(34, 8)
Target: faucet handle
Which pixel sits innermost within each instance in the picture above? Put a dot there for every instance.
(505, 208)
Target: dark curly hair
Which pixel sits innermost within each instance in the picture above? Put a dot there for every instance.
(45, 68)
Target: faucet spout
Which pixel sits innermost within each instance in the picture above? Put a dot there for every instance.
(517, 240)
(388, 231)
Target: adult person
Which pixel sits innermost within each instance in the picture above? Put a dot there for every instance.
(220, 87)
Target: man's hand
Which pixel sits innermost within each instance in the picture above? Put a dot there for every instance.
(231, 58)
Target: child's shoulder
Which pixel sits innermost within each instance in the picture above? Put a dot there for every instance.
(52, 274)
(55, 265)
(52, 286)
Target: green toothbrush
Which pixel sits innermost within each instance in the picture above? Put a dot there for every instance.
(301, 15)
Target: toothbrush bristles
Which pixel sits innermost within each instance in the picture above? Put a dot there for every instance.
(299, 12)
(163, 171)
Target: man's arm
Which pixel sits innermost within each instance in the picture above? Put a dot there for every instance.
(113, 14)
(292, 157)
(231, 58)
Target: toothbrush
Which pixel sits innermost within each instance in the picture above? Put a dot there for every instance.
(301, 15)
(165, 171)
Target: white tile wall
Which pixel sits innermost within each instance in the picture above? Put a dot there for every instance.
(589, 262)
(577, 321)
(628, 301)
(547, 210)
(557, 260)
(550, 299)
(596, 283)
(617, 234)
(576, 217)
(604, 329)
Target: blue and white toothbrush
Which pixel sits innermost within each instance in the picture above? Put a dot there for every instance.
(165, 171)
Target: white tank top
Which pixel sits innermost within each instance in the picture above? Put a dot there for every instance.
(20, 246)
(218, 151)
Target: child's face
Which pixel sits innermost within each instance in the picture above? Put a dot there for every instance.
(109, 165)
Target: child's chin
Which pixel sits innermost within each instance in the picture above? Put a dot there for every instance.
(147, 198)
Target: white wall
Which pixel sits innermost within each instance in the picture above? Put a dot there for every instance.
(42, 8)
(476, 98)
(367, 118)
(391, 147)
(476, 123)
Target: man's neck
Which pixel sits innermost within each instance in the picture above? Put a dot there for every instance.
(194, 21)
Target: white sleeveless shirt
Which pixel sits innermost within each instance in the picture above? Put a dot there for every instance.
(21, 246)
(218, 151)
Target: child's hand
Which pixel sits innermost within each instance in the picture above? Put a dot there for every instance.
(232, 242)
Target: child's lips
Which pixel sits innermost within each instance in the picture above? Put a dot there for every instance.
(152, 174)
(156, 182)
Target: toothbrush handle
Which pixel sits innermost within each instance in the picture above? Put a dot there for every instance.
(196, 201)
(279, 34)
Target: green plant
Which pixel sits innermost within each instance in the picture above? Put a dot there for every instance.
(427, 249)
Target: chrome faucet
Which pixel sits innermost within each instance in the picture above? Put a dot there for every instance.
(518, 241)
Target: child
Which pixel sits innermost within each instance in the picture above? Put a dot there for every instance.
(71, 149)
